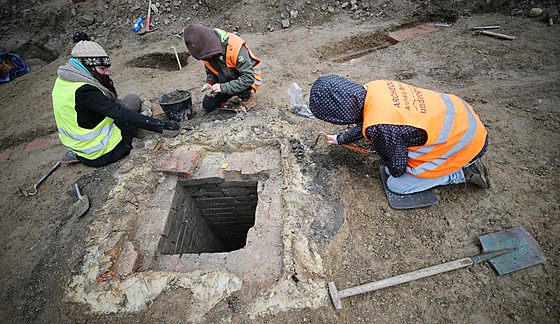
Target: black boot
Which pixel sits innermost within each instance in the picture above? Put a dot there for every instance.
(476, 174)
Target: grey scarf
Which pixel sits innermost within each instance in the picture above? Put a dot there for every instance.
(72, 73)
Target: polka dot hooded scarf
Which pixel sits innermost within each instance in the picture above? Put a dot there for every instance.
(337, 100)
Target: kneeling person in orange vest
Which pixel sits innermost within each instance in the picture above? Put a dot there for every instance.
(91, 121)
(424, 138)
(231, 68)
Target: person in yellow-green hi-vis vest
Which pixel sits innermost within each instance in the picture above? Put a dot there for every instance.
(91, 121)
(231, 68)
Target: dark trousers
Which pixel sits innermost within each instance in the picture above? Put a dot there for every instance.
(211, 103)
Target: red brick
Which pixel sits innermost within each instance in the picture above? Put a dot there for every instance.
(36, 145)
(400, 35)
(5, 155)
(177, 161)
(128, 260)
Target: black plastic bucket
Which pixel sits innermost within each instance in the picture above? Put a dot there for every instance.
(177, 105)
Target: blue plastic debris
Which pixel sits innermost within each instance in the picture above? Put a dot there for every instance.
(11, 66)
(138, 24)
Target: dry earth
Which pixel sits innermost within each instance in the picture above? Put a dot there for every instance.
(333, 197)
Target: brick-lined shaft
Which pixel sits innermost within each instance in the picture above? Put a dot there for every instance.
(186, 231)
(211, 217)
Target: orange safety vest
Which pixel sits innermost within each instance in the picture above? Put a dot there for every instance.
(455, 133)
(233, 47)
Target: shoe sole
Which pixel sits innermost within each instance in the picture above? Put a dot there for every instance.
(483, 173)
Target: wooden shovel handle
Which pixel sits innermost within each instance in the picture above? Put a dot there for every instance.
(418, 274)
(489, 33)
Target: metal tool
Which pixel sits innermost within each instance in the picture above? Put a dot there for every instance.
(69, 157)
(82, 205)
(148, 18)
(485, 27)
(507, 251)
(348, 146)
(226, 107)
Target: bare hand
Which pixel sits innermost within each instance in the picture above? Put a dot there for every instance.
(217, 88)
(331, 139)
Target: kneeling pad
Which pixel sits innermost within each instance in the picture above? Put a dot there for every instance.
(415, 200)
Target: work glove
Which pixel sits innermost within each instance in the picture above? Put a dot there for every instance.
(172, 125)
(207, 90)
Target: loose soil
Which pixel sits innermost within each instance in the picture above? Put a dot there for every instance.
(335, 196)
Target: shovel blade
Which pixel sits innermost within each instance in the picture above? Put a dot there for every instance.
(81, 206)
(525, 250)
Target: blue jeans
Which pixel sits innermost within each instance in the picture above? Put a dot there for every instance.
(408, 184)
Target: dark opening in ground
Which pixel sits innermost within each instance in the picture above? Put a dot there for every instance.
(160, 61)
(211, 217)
(347, 48)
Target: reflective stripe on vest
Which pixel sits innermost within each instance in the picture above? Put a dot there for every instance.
(107, 130)
(233, 47)
(455, 133)
(87, 143)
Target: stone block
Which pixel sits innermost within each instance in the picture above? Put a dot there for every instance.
(128, 260)
(157, 112)
(135, 187)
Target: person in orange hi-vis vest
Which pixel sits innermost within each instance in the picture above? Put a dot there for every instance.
(424, 138)
(231, 68)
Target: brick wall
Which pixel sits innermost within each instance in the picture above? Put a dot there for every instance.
(186, 231)
(211, 216)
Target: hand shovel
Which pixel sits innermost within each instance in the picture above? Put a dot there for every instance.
(82, 205)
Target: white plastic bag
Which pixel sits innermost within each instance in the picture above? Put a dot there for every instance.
(298, 105)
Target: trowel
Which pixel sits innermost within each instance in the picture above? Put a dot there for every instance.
(82, 205)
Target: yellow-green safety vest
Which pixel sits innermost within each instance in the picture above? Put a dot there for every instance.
(87, 143)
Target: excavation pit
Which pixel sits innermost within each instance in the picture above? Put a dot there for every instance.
(347, 48)
(211, 217)
(160, 61)
(214, 211)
